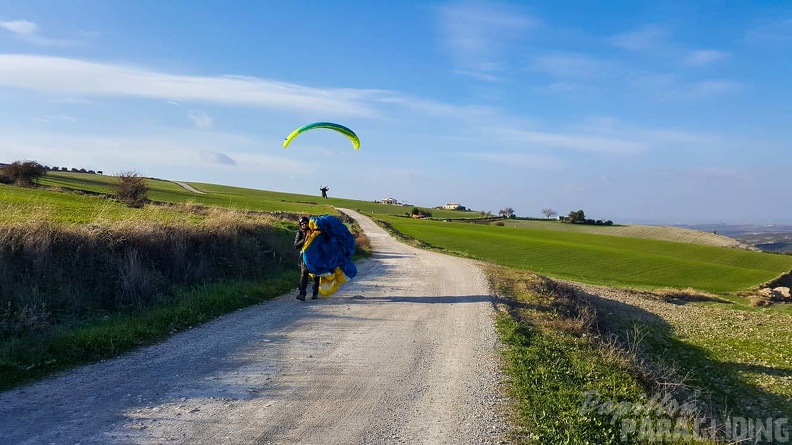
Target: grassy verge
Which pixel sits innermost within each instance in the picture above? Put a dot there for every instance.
(739, 356)
(569, 387)
(24, 359)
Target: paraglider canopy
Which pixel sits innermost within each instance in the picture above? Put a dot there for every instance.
(327, 253)
(329, 125)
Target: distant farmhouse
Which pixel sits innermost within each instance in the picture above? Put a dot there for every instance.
(390, 201)
(454, 206)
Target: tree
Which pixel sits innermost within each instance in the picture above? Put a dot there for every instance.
(577, 217)
(508, 212)
(131, 189)
(416, 212)
(549, 213)
(22, 173)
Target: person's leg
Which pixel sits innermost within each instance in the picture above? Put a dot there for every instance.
(315, 293)
(303, 282)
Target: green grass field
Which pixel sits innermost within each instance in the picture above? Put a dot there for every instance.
(666, 233)
(602, 259)
(236, 197)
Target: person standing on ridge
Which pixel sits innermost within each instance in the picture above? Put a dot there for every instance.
(324, 190)
(299, 242)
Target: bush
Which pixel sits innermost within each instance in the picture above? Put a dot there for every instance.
(22, 173)
(131, 189)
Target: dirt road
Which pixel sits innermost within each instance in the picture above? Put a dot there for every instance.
(189, 188)
(404, 353)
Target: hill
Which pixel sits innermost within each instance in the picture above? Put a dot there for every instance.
(766, 237)
(665, 233)
(263, 200)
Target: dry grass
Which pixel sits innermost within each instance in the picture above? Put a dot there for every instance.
(362, 242)
(563, 322)
(49, 271)
(759, 302)
(685, 295)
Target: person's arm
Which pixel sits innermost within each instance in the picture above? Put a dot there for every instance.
(299, 240)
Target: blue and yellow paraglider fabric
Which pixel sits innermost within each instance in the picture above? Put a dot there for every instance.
(327, 253)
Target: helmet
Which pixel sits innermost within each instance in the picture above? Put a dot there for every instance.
(304, 220)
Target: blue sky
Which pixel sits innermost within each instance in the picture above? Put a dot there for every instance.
(639, 112)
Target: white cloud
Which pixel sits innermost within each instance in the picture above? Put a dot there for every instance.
(648, 37)
(80, 78)
(561, 88)
(61, 118)
(568, 65)
(706, 88)
(705, 57)
(577, 142)
(200, 119)
(519, 160)
(29, 32)
(182, 150)
(91, 34)
(479, 75)
(477, 35)
(22, 27)
(672, 87)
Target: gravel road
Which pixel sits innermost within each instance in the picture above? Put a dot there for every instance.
(404, 353)
(189, 188)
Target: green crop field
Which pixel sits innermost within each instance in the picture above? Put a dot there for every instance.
(236, 197)
(633, 231)
(602, 259)
(18, 205)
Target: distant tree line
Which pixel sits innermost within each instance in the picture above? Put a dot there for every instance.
(131, 188)
(579, 217)
(21, 173)
(57, 169)
(73, 170)
(508, 212)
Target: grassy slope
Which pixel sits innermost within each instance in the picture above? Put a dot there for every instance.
(19, 205)
(665, 233)
(601, 259)
(235, 197)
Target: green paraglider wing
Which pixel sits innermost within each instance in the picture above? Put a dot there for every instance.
(329, 125)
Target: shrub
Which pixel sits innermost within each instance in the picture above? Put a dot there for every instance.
(131, 189)
(50, 270)
(22, 173)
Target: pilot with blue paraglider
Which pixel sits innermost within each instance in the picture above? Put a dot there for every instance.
(326, 247)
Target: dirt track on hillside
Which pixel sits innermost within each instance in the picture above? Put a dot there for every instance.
(404, 353)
